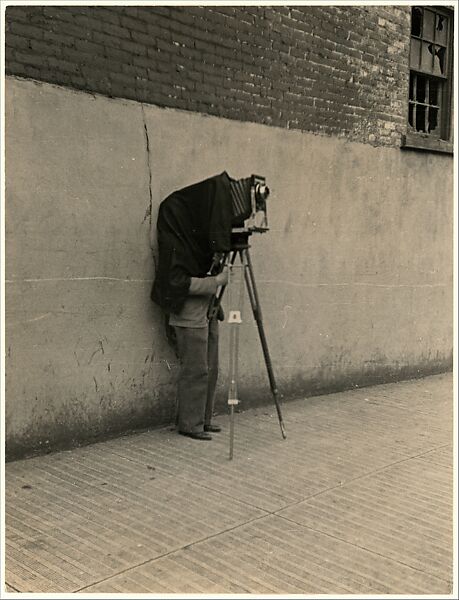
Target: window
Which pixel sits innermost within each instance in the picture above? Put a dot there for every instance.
(430, 87)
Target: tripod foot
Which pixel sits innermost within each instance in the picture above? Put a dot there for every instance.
(284, 435)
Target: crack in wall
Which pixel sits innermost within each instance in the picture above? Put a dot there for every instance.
(149, 210)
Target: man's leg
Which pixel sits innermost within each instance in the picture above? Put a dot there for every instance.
(193, 378)
(212, 361)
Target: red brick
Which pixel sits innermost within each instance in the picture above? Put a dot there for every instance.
(115, 30)
(16, 41)
(133, 24)
(62, 65)
(26, 31)
(302, 66)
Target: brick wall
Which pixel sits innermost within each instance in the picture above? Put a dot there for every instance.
(335, 70)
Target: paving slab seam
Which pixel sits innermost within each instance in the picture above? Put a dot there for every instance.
(173, 551)
(393, 465)
(335, 537)
(203, 485)
(120, 495)
(275, 513)
(341, 485)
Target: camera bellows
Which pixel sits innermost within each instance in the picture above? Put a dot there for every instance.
(248, 200)
(241, 199)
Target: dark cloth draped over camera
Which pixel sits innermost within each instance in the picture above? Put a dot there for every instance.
(193, 223)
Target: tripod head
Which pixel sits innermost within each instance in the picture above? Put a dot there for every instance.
(240, 238)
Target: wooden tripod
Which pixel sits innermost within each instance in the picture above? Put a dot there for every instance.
(241, 249)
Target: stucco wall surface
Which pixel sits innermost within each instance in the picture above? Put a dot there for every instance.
(354, 276)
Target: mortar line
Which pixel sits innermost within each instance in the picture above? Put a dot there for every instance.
(141, 564)
(335, 537)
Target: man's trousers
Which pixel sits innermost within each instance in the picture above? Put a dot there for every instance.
(198, 352)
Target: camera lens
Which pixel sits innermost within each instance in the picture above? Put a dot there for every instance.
(262, 191)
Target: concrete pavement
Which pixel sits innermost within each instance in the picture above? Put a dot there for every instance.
(357, 500)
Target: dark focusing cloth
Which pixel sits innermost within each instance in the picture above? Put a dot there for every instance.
(193, 223)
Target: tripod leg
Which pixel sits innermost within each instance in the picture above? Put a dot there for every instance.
(234, 319)
(233, 379)
(231, 432)
(254, 301)
(216, 300)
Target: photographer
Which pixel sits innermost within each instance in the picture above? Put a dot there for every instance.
(194, 227)
(197, 341)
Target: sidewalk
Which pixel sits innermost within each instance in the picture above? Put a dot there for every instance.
(357, 500)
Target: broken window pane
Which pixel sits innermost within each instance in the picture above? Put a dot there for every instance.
(432, 120)
(427, 56)
(439, 61)
(416, 21)
(433, 92)
(412, 85)
(415, 54)
(441, 29)
(411, 114)
(420, 118)
(421, 89)
(429, 86)
(428, 25)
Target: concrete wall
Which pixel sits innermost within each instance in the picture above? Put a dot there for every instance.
(355, 276)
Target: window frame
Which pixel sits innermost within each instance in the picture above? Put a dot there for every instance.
(443, 140)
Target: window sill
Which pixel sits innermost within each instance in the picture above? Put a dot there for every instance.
(420, 141)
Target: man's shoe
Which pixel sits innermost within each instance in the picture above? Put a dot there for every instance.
(212, 428)
(196, 435)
